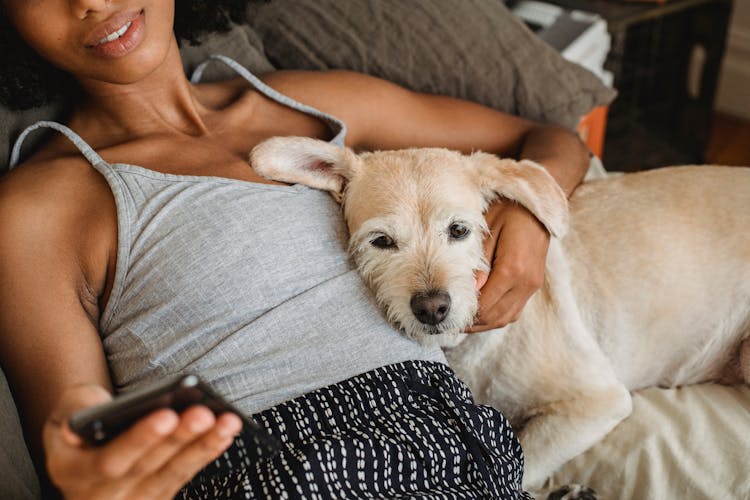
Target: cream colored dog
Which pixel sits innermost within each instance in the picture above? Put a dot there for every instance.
(647, 282)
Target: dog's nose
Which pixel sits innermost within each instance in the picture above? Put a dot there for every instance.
(430, 307)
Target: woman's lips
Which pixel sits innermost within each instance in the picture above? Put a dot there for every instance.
(118, 36)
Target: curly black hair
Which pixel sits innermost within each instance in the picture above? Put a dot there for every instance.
(28, 81)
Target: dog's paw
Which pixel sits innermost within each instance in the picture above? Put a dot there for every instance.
(573, 492)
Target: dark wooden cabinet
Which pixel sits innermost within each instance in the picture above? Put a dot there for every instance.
(665, 59)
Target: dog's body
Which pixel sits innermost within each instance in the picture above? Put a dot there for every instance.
(650, 285)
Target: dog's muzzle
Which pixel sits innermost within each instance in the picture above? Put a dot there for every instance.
(430, 307)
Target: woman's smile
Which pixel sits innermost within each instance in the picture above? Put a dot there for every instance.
(117, 36)
(112, 41)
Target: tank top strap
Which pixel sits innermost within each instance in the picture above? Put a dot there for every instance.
(86, 150)
(338, 127)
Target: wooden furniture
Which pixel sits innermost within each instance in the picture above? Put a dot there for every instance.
(665, 59)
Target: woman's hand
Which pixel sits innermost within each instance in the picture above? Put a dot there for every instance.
(152, 459)
(517, 250)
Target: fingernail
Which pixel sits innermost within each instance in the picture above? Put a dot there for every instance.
(200, 425)
(226, 432)
(165, 424)
(230, 428)
(70, 436)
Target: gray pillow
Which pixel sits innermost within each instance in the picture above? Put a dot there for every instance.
(19, 480)
(13, 122)
(472, 49)
(239, 43)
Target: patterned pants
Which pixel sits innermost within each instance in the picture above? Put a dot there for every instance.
(401, 431)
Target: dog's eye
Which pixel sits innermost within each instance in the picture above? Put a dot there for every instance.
(458, 231)
(383, 241)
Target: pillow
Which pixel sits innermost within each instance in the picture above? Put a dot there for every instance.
(239, 43)
(19, 480)
(471, 49)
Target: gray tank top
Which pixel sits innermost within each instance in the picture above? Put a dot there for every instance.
(248, 285)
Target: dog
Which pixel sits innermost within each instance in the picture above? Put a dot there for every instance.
(647, 278)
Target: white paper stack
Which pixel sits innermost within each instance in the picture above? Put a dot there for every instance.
(580, 37)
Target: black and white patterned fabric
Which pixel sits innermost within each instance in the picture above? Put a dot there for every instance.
(401, 431)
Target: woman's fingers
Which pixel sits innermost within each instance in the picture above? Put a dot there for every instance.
(154, 442)
(152, 459)
(480, 279)
(125, 451)
(500, 312)
(189, 459)
(194, 422)
(517, 248)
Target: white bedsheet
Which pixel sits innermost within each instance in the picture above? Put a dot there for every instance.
(690, 443)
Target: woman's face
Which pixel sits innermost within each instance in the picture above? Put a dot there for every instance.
(114, 41)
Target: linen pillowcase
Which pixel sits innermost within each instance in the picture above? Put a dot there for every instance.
(470, 49)
(18, 478)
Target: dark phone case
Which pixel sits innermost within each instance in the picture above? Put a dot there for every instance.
(99, 424)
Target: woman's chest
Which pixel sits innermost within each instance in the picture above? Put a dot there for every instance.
(223, 148)
(195, 242)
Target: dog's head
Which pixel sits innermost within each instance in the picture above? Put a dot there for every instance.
(415, 219)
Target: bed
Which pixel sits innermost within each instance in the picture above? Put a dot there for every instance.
(682, 443)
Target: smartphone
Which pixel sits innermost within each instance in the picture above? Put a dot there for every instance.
(98, 424)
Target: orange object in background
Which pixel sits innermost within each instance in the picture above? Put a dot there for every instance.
(591, 128)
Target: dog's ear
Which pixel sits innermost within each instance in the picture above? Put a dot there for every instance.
(303, 160)
(526, 183)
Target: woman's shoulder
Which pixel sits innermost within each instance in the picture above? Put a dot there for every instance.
(57, 218)
(49, 194)
(51, 169)
(359, 100)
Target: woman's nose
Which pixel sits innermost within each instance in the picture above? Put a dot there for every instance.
(83, 8)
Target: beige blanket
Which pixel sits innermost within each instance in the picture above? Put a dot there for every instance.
(691, 443)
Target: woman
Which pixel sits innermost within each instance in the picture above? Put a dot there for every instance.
(143, 245)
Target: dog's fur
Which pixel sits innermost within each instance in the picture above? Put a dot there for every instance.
(650, 285)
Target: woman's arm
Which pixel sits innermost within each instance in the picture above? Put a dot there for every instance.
(48, 340)
(51, 351)
(381, 115)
